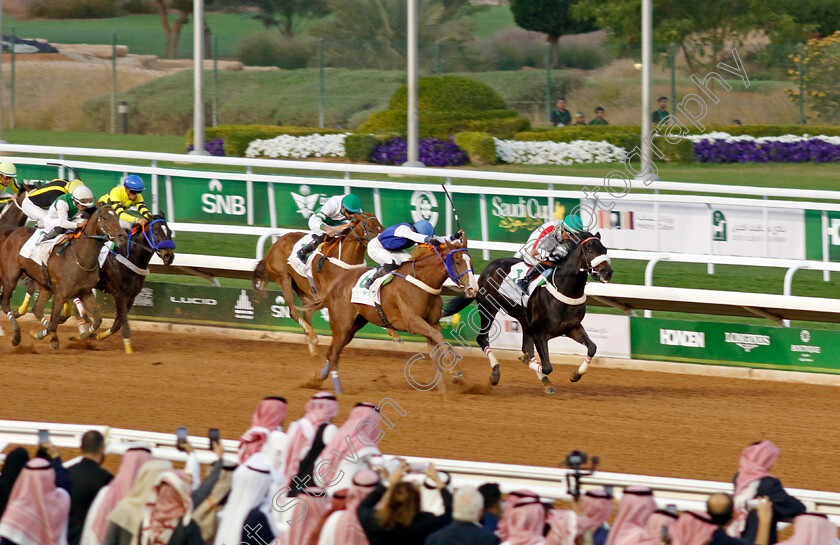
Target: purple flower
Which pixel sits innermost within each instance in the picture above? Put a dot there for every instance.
(812, 150)
(214, 147)
(433, 152)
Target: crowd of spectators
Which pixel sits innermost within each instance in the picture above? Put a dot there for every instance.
(561, 117)
(323, 484)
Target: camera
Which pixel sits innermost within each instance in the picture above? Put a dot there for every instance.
(575, 459)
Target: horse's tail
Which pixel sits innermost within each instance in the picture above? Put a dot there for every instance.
(456, 304)
(260, 280)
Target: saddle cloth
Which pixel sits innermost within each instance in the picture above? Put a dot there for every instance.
(39, 252)
(369, 297)
(510, 290)
(303, 269)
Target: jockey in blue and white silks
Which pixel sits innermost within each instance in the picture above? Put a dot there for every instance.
(389, 248)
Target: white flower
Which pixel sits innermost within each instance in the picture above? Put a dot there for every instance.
(298, 147)
(787, 138)
(558, 153)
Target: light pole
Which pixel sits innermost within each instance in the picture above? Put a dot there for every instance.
(647, 57)
(413, 122)
(198, 78)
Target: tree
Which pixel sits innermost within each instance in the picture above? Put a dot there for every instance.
(374, 32)
(554, 18)
(285, 14)
(820, 65)
(173, 31)
(705, 33)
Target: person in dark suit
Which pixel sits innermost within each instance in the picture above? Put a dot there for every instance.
(492, 505)
(720, 508)
(753, 480)
(465, 528)
(88, 477)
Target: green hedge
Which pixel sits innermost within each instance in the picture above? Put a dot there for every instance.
(479, 147)
(447, 105)
(358, 147)
(237, 137)
(681, 152)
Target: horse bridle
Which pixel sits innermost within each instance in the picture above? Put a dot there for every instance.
(366, 238)
(591, 263)
(150, 238)
(449, 264)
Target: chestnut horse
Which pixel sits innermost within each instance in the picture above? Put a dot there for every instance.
(410, 302)
(340, 253)
(73, 273)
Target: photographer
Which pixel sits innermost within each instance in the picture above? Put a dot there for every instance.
(754, 480)
(399, 521)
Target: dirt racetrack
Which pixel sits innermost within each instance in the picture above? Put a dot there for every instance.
(637, 422)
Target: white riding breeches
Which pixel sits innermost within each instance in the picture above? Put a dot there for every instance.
(33, 211)
(51, 223)
(381, 255)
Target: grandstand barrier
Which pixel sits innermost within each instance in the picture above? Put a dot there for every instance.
(549, 482)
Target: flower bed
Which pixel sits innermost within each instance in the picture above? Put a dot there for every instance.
(432, 153)
(721, 147)
(558, 153)
(298, 147)
(213, 147)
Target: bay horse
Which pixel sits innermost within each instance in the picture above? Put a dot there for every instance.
(124, 281)
(554, 309)
(340, 253)
(73, 273)
(13, 214)
(411, 302)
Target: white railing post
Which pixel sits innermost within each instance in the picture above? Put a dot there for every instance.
(249, 198)
(155, 189)
(649, 277)
(826, 251)
(485, 228)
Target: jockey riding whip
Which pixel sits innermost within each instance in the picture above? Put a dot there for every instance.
(454, 211)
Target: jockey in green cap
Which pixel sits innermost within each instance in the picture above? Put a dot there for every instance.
(338, 211)
(547, 245)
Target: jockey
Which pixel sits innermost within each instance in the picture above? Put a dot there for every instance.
(388, 249)
(38, 201)
(66, 212)
(338, 210)
(127, 197)
(8, 180)
(543, 249)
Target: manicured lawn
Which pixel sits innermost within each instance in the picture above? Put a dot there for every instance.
(143, 34)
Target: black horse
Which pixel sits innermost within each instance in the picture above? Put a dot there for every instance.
(555, 308)
(124, 281)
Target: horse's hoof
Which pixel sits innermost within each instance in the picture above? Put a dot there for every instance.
(548, 387)
(575, 376)
(313, 350)
(495, 375)
(54, 345)
(397, 339)
(85, 335)
(457, 374)
(526, 358)
(16, 339)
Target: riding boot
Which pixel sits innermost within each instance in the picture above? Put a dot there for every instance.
(526, 280)
(381, 271)
(54, 233)
(309, 248)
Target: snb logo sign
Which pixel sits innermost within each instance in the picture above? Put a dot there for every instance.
(424, 204)
(215, 203)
